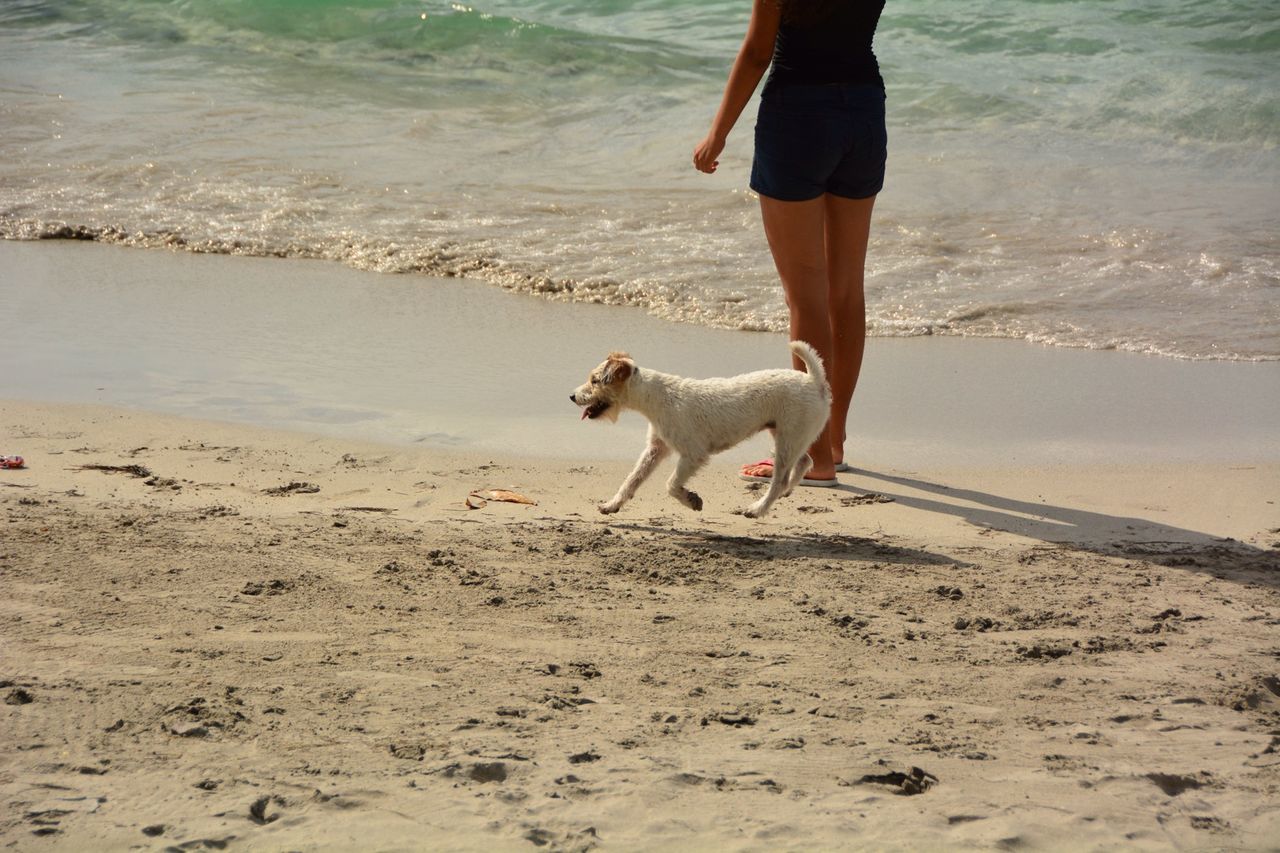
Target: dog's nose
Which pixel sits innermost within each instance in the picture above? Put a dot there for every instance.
(572, 399)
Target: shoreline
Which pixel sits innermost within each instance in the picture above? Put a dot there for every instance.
(1081, 651)
(1097, 506)
(455, 364)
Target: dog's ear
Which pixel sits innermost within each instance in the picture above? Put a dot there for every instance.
(617, 368)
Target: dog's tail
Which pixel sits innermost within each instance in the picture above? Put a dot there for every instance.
(813, 364)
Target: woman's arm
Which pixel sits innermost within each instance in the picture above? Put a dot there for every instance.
(753, 58)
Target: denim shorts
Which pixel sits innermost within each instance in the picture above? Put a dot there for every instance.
(815, 139)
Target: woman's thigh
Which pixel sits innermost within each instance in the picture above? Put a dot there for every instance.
(796, 231)
(848, 228)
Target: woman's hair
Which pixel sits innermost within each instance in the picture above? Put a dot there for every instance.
(806, 12)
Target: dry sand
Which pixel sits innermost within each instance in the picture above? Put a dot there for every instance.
(1074, 657)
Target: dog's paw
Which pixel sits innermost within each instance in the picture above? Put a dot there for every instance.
(695, 502)
(608, 509)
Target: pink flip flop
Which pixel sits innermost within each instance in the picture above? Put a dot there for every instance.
(756, 478)
(11, 462)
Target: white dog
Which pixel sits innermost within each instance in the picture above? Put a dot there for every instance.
(700, 417)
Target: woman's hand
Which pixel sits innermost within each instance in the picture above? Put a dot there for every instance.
(706, 152)
(752, 61)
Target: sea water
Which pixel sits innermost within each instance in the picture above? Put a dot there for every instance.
(1100, 175)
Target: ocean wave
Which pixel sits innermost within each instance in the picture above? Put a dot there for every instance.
(389, 51)
(1188, 71)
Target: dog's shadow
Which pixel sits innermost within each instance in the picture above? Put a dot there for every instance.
(766, 547)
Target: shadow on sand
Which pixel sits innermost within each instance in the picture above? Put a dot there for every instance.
(1109, 535)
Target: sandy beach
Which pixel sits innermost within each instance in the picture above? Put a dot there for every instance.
(1039, 615)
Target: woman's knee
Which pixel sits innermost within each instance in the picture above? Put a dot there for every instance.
(799, 272)
(846, 302)
(807, 303)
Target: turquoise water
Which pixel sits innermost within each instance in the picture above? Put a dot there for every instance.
(1084, 174)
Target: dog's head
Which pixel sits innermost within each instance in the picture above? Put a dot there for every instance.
(605, 389)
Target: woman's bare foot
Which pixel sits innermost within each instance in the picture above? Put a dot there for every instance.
(837, 455)
(764, 468)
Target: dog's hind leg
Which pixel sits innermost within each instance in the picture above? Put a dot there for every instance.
(761, 507)
(787, 473)
(685, 469)
(801, 471)
(654, 452)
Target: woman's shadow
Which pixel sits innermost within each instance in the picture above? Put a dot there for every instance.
(1110, 535)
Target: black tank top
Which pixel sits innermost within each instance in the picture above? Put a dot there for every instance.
(834, 49)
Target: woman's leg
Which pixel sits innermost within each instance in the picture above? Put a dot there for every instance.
(797, 235)
(848, 227)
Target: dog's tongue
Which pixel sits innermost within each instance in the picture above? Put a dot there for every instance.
(584, 414)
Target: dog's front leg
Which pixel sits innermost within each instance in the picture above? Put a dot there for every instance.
(685, 469)
(654, 452)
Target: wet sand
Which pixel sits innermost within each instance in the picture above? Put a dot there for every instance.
(462, 365)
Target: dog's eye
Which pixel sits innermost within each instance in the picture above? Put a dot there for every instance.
(595, 381)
